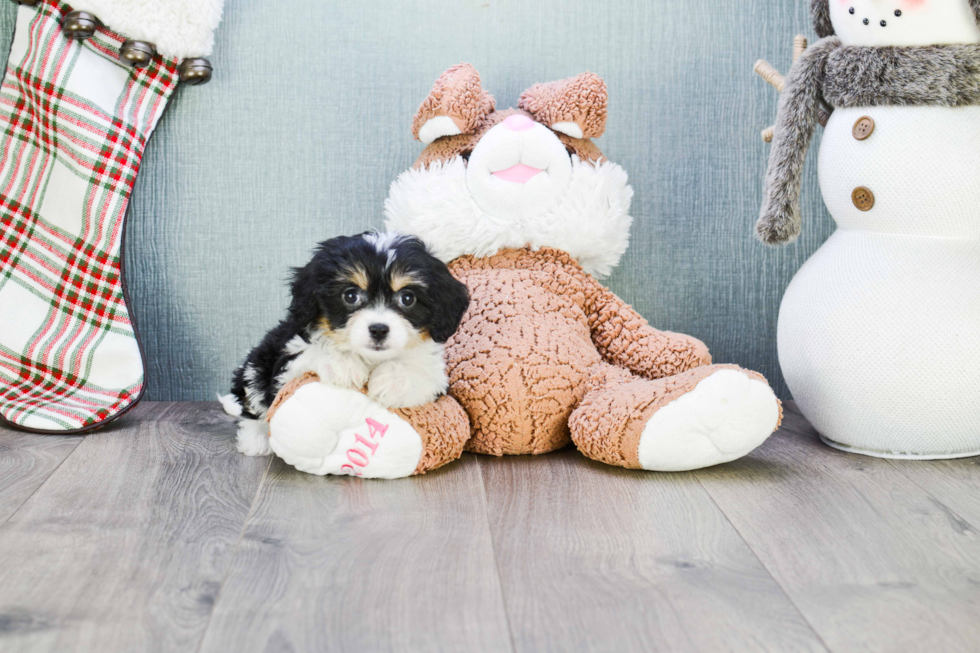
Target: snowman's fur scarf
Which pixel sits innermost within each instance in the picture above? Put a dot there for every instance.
(935, 75)
(820, 11)
(796, 120)
(852, 76)
(592, 223)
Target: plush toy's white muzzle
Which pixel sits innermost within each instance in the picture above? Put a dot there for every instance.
(519, 169)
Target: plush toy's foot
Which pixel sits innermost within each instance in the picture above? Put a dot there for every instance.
(703, 417)
(725, 416)
(322, 430)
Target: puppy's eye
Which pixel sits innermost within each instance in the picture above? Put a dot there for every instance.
(352, 296)
(406, 299)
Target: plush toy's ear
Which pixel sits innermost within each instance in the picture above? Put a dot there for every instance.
(456, 105)
(576, 106)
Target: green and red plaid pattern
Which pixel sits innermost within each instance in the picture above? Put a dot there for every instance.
(74, 125)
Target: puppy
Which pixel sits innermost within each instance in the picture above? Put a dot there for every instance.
(371, 311)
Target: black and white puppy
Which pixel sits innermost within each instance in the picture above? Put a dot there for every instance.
(373, 310)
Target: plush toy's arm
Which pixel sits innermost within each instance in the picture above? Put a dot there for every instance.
(307, 431)
(799, 104)
(624, 338)
(444, 428)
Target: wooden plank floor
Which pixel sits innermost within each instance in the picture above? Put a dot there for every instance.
(155, 535)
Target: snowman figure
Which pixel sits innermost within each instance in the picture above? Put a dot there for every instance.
(879, 332)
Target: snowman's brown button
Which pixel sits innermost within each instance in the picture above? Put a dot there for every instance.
(863, 198)
(863, 128)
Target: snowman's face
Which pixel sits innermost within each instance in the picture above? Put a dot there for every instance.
(904, 22)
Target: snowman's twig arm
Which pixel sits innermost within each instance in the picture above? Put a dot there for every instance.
(799, 105)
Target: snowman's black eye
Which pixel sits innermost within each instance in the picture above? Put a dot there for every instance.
(898, 12)
(851, 11)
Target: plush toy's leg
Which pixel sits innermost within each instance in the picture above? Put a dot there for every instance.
(702, 417)
(322, 430)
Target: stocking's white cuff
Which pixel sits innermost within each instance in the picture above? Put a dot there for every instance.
(179, 28)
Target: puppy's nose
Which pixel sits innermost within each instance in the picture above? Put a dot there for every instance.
(518, 123)
(379, 331)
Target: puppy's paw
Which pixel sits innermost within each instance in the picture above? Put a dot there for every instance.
(324, 430)
(253, 437)
(417, 381)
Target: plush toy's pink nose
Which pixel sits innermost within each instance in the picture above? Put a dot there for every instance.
(518, 123)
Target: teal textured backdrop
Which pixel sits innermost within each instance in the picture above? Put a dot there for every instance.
(308, 120)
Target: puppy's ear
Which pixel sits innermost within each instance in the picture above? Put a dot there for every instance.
(304, 307)
(453, 300)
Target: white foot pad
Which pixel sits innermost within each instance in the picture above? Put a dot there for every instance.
(326, 430)
(723, 418)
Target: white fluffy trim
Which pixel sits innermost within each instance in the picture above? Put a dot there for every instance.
(179, 28)
(592, 223)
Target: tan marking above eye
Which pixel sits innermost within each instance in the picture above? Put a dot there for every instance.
(400, 280)
(358, 276)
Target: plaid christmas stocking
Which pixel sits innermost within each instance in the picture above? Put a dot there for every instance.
(77, 105)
